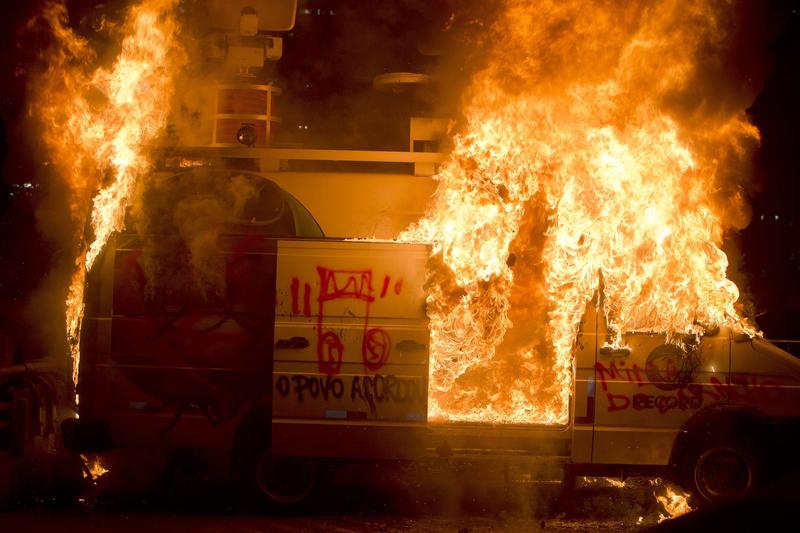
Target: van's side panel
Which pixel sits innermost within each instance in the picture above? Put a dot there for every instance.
(765, 378)
(169, 370)
(351, 348)
(645, 395)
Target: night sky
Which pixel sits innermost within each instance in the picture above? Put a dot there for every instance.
(330, 59)
(771, 244)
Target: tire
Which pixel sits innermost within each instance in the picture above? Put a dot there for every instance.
(723, 471)
(283, 480)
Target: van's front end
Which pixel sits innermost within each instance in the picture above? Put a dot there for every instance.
(730, 450)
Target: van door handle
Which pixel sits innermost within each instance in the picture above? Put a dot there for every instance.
(409, 346)
(614, 352)
(295, 343)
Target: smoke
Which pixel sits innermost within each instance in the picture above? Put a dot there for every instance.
(332, 59)
(179, 220)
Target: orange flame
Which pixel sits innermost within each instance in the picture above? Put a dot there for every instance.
(99, 123)
(595, 156)
(94, 467)
(675, 503)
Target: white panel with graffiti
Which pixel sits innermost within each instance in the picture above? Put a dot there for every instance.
(351, 333)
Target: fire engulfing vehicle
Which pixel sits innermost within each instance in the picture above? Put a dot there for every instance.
(289, 349)
(579, 202)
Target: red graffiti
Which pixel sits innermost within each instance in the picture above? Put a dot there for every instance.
(665, 402)
(661, 372)
(689, 398)
(306, 299)
(700, 391)
(377, 345)
(666, 376)
(385, 286)
(615, 373)
(748, 388)
(295, 301)
(295, 291)
(337, 285)
(330, 351)
(669, 376)
(340, 285)
(618, 402)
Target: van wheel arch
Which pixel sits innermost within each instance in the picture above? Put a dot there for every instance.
(724, 436)
(253, 435)
(265, 477)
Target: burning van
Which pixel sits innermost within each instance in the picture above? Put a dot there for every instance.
(256, 335)
(552, 288)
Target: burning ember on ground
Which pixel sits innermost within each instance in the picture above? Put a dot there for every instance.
(597, 157)
(675, 502)
(94, 467)
(100, 121)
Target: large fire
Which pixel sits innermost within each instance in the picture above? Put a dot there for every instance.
(595, 159)
(100, 121)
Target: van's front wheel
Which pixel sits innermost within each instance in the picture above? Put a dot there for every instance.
(723, 471)
(285, 480)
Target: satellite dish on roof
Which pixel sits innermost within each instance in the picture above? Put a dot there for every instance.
(271, 15)
(398, 82)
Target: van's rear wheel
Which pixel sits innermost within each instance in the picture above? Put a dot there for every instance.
(285, 480)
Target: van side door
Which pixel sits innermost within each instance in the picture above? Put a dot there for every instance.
(647, 390)
(351, 349)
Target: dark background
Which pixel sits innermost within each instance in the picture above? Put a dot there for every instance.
(328, 88)
(771, 244)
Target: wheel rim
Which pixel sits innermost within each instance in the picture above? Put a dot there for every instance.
(722, 473)
(285, 479)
